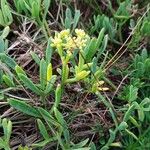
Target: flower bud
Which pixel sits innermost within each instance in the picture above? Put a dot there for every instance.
(82, 75)
(49, 72)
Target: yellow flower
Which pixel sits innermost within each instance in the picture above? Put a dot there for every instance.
(69, 43)
(80, 33)
(81, 43)
(65, 33)
(68, 56)
(81, 75)
(81, 38)
(100, 83)
(65, 40)
(56, 42)
(98, 87)
(103, 89)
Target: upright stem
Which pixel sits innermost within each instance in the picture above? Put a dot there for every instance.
(120, 34)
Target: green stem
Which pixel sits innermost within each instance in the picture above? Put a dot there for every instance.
(47, 28)
(120, 33)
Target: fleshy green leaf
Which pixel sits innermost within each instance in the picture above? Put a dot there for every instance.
(28, 83)
(90, 50)
(50, 84)
(8, 81)
(24, 107)
(49, 52)
(81, 144)
(18, 70)
(43, 74)
(35, 57)
(43, 129)
(76, 18)
(68, 19)
(9, 61)
(5, 32)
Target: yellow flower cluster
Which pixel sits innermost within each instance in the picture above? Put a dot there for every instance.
(66, 40)
(99, 86)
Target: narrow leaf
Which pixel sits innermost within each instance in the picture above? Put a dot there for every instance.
(28, 83)
(24, 107)
(76, 18)
(43, 74)
(43, 129)
(49, 52)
